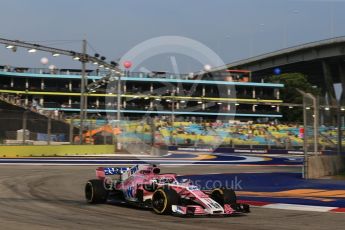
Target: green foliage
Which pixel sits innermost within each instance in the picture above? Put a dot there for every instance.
(289, 94)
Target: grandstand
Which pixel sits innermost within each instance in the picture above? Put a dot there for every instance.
(228, 108)
(158, 92)
(236, 134)
(198, 97)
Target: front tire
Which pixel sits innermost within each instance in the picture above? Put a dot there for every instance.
(95, 192)
(163, 199)
(224, 196)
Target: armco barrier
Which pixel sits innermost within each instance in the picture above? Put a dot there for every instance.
(54, 150)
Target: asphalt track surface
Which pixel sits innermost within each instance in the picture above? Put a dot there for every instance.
(51, 197)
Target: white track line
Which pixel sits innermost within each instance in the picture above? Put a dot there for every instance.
(298, 207)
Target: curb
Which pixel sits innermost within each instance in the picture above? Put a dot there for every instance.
(295, 207)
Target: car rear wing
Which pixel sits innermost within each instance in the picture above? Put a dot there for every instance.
(102, 172)
(124, 172)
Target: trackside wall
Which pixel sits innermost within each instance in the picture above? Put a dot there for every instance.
(55, 150)
(325, 165)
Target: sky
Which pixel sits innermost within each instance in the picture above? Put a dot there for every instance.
(233, 29)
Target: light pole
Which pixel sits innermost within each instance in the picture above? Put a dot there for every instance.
(127, 65)
(83, 99)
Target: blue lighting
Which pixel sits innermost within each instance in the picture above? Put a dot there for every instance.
(277, 71)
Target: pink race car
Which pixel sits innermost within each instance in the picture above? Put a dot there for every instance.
(144, 186)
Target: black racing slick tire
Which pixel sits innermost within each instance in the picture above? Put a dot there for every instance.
(163, 199)
(95, 192)
(224, 196)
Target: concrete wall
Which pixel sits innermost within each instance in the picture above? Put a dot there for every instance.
(325, 165)
(54, 150)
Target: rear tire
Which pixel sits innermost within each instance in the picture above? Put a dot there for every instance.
(224, 196)
(95, 192)
(163, 199)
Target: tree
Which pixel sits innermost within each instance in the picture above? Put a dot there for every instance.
(289, 94)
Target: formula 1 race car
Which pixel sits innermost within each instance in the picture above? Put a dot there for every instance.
(144, 186)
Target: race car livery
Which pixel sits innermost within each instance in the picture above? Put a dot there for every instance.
(145, 186)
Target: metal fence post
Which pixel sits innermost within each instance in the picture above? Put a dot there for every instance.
(118, 112)
(315, 127)
(24, 126)
(305, 139)
(153, 131)
(339, 149)
(71, 129)
(49, 128)
(316, 123)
